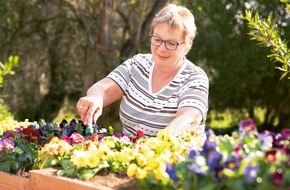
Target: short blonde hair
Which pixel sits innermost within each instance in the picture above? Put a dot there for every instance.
(179, 18)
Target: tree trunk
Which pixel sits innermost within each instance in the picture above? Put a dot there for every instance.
(98, 42)
(53, 100)
(129, 47)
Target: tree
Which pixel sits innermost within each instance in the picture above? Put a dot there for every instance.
(6, 69)
(239, 78)
(64, 43)
(266, 32)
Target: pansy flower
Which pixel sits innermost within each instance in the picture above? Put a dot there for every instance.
(271, 156)
(251, 172)
(277, 179)
(266, 138)
(247, 127)
(213, 159)
(195, 168)
(8, 143)
(218, 173)
(32, 134)
(232, 163)
(171, 170)
(208, 146)
(193, 153)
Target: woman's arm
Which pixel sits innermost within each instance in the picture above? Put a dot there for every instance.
(99, 95)
(186, 118)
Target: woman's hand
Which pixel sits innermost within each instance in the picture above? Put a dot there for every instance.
(101, 94)
(90, 109)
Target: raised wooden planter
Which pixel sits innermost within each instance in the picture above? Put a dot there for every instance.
(46, 180)
(13, 182)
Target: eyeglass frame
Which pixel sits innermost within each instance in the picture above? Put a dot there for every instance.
(165, 42)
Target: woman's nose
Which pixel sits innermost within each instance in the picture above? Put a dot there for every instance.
(162, 46)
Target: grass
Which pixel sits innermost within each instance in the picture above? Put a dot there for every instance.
(67, 111)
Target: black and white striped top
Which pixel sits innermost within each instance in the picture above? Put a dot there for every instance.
(140, 109)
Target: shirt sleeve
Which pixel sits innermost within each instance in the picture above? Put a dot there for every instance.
(195, 93)
(121, 74)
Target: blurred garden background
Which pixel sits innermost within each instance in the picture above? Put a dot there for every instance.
(52, 51)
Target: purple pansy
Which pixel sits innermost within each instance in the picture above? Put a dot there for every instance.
(247, 126)
(195, 168)
(213, 159)
(208, 146)
(266, 138)
(193, 153)
(171, 170)
(286, 134)
(232, 162)
(209, 132)
(251, 172)
(8, 143)
(218, 173)
(77, 138)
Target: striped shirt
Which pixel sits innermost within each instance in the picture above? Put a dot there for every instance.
(140, 109)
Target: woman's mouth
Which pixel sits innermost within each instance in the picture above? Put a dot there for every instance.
(162, 56)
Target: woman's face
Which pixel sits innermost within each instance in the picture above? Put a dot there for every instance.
(161, 54)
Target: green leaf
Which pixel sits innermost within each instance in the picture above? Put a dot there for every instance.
(70, 172)
(283, 75)
(5, 167)
(225, 145)
(287, 178)
(15, 165)
(111, 130)
(210, 186)
(86, 174)
(18, 150)
(48, 162)
(7, 157)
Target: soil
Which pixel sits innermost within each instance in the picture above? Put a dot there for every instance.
(116, 181)
(22, 173)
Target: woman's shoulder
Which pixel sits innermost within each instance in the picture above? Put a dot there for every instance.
(194, 75)
(192, 70)
(142, 57)
(144, 61)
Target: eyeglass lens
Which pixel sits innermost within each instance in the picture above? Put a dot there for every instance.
(168, 43)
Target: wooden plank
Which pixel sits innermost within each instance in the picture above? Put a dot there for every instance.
(47, 180)
(13, 182)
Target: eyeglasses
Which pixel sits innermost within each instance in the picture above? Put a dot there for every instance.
(169, 44)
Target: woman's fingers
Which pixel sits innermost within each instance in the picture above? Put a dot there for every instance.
(89, 110)
(97, 114)
(89, 115)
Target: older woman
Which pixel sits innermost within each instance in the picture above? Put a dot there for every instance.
(158, 90)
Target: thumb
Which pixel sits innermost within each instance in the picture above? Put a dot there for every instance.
(90, 114)
(96, 115)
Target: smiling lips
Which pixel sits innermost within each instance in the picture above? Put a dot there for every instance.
(162, 57)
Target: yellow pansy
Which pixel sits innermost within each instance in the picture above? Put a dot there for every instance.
(78, 158)
(132, 168)
(141, 160)
(91, 159)
(140, 173)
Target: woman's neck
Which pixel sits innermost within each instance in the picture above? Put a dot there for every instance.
(161, 77)
(169, 70)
